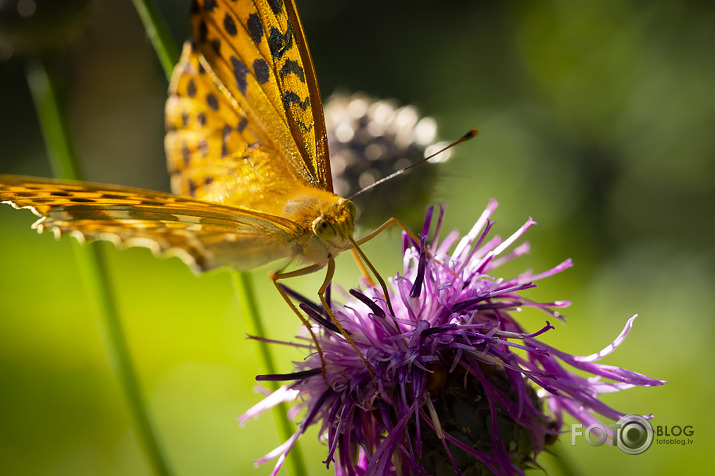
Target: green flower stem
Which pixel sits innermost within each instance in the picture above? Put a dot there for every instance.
(158, 34)
(243, 282)
(55, 130)
(91, 260)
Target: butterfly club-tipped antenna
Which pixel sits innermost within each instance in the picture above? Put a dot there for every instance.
(469, 135)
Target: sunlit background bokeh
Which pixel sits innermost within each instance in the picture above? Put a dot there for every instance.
(595, 118)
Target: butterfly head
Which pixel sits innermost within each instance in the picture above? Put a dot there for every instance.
(335, 226)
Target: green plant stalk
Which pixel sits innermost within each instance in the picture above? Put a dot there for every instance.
(91, 260)
(168, 55)
(158, 34)
(243, 284)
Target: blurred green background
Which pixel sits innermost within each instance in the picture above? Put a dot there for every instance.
(595, 118)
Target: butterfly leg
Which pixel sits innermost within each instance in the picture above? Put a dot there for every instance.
(281, 275)
(321, 294)
(391, 221)
(358, 252)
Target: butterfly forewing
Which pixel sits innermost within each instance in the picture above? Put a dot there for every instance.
(252, 58)
(202, 234)
(320, 161)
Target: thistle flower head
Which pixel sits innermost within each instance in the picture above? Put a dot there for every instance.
(459, 385)
(371, 138)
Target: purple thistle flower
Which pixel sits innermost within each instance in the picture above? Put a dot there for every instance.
(459, 384)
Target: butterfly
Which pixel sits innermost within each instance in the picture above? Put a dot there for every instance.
(246, 148)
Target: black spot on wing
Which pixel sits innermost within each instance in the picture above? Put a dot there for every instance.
(255, 28)
(209, 5)
(204, 147)
(186, 154)
(302, 124)
(276, 6)
(212, 101)
(289, 97)
(201, 117)
(81, 200)
(229, 25)
(242, 124)
(191, 88)
(61, 194)
(239, 71)
(216, 46)
(291, 66)
(279, 43)
(203, 31)
(261, 70)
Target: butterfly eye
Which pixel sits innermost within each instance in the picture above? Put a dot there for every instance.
(323, 229)
(351, 208)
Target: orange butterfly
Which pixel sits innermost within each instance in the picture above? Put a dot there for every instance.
(247, 152)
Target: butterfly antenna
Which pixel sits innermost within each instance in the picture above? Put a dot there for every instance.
(464, 138)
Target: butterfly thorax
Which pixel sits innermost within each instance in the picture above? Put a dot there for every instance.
(329, 220)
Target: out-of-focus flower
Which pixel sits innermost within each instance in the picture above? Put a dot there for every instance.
(371, 138)
(459, 386)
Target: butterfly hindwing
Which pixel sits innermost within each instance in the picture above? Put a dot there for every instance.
(202, 234)
(214, 150)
